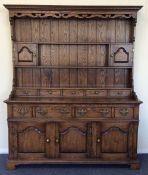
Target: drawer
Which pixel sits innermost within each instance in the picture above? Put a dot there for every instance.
(119, 93)
(26, 92)
(49, 92)
(124, 112)
(74, 93)
(97, 93)
(92, 112)
(22, 111)
(53, 111)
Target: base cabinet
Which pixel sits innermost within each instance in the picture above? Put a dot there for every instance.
(73, 140)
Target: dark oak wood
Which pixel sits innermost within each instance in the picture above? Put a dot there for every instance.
(73, 99)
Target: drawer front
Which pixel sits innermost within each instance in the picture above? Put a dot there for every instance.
(92, 112)
(53, 111)
(73, 93)
(124, 112)
(97, 93)
(26, 92)
(49, 93)
(22, 111)
(119, 93)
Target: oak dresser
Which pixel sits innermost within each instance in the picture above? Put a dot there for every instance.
(73, 99)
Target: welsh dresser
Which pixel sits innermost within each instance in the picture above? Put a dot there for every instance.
(73, 99)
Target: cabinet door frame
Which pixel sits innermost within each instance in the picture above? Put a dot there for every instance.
(53, 132)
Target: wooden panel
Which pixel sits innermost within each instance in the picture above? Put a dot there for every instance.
(73, 77)
(64, 61)
(50, 139)
(124, 112)
(73, 93)
(73, 137)
(120, 30)
(22, 111)
(119, 93)
(25, 92)
(64, 31)
(49, 92)
(25, 54)
(114, 138)
(121, 55)
(27, 82)
(44, 31)
(23, 30)
(35, 30)
(96, 93)
(54, 30)
(101, 30)
(73, 30)
(91, 112)
(31, 138)
(53, 111)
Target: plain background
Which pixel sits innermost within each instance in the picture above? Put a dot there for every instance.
(140, 61)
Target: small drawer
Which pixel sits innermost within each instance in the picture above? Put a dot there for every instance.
(53, 111)
(22, 111)
(119, 93)
(73, 93)
(49, 92)
(26, 92)
(124, 112)
(97, 93)
(92, 112)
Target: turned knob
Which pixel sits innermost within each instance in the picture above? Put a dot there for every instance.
(98, 140)
(47, 140)
(57, 140)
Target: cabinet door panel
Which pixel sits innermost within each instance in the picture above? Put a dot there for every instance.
(121, 55)
(31, 138)
(74, 138)
(114, 138)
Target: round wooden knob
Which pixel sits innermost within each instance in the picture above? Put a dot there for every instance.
(47, 140)
(98, 140)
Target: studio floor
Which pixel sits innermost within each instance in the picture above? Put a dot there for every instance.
(75, 169)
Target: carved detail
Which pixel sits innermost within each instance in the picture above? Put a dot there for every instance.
(23, 110)
(32, 128)
(25, 55)
(104, 112)
(66, 15)
(114, 129)
(124, 111)
(67, 130)
(13, 131)
(82, 111)
(42, 111)
(121, 56)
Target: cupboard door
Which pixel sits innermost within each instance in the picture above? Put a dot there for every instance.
(73, 139)
(114, 140)
(31, 138)
(121, 55)
(25, 54)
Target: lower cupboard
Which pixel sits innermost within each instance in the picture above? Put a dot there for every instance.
(70, 141)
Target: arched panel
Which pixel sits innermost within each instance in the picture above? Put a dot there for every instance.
(114, 140)
(25, 55)
(73, 140)
(31, 139)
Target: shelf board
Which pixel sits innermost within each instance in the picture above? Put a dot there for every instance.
(73, 43)
(74, 67)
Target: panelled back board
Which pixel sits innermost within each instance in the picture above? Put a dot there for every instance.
(73, 99)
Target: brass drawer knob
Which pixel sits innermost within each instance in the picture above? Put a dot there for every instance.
(98, 140)
(47, 140)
